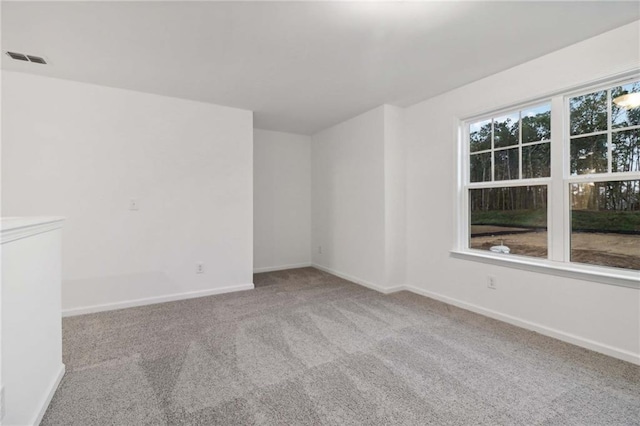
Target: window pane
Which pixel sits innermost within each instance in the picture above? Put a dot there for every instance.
(605, 223)
(480, 136)
(589, 155)
(626, 151)
(506, 164)
(509, 218)
(625, 117)
(505, 130)
(536, 160)
(536, 124)
(480, 167)
(588, 113)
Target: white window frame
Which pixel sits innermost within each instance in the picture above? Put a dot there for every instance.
(558, 194)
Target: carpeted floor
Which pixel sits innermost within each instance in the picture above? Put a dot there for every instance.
(307, 348)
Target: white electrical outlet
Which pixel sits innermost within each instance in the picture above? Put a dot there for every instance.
(133, 204)
(319, 249)
(491, 282)
(199, 268)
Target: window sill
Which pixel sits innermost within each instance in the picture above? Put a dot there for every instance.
(597, 274)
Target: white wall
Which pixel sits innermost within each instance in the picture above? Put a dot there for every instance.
(1, 95)
(83, 151)
(347, 202)
(600, 316)
(358, 199)
(281, 200)
(395, 197)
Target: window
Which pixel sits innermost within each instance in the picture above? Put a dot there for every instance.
(506, 151)
(605, 209)
(570, 197)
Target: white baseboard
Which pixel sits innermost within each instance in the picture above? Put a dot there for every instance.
(544, 330)
(519, 322)
(153, 300)
(281, 267)
(364, 283)
(49, 396)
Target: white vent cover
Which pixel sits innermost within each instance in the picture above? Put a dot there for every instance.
(26, 58)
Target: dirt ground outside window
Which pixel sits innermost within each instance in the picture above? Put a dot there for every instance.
(604, 249)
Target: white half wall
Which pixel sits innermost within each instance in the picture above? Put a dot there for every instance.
(84, 151)
(31, 325)
(595, 315)
(281, 200)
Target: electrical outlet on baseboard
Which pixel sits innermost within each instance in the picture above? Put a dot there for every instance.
(319, 249)
(200, 268)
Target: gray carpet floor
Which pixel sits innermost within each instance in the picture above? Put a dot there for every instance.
(308, 348)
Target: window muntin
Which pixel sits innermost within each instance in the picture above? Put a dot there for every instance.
(602, 151)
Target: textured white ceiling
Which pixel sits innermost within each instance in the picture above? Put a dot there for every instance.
(301, 66)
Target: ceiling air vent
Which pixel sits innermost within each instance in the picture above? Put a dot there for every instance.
(36, 59)
(28, 58)
(18, 56)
